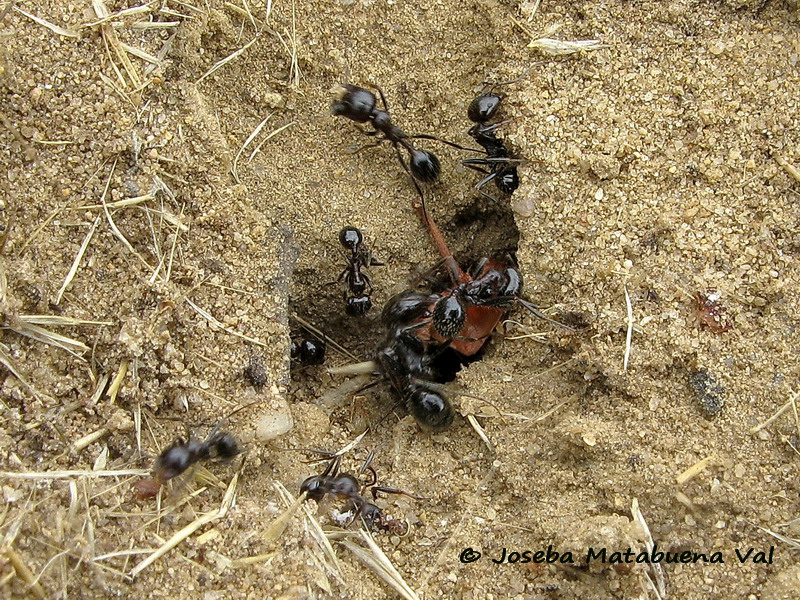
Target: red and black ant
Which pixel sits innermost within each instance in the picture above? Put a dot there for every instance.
(181, 455)
(347, 487)
(357, 283)
(497, 165)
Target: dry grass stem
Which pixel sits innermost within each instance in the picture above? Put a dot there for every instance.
(51, 26)
(113, 226)
(180, 536)
(229, 58)
(321, 335)
(58, 321)
(791, 403)
(210, 318)
(155, 24)
(366, 367)
(5, 360)
(479, 430)
(250, 138)
(268, 138)
(127, 12)
(694, 470)
(659, 586)
(113, 389)
(279, 524)
(110, 37)
(788, 167)
(23, 572)
(138, 53)
(70, 474)
(794, 544)
(45, 336)
(376, 560)
(88, 440)
(78, 257)
(629, 333)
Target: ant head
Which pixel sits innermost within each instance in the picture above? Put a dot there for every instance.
(431, 410)
(313, 487)
(372, 515)
(355, 103)
(350, 238)
(484, 107)
(425, 166)
(449, 316)
(226, 446)
(358, 306)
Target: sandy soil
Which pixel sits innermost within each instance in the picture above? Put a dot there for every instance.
(658, 168)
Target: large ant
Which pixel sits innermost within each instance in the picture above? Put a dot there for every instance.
(356, 280)
(359, 104)
(498, 166)
(347, 487)
(181, 455)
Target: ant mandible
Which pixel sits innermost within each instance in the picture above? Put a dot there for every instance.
(347, 487)
(497, 165)
(181, 455)
(356, 280)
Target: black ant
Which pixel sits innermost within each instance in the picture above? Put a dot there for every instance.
(347, 487)
(181, 455)
(359, 104)
(357, 282)
(497, 165)
(308, 351)
(407, 363)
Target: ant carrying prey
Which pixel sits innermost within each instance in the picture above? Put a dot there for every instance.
(181, 455)
(357, 283)
(347, 487)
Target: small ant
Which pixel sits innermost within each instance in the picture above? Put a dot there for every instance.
(181, 455)
(347, 487)
(356, 280)
(498, 166)
(359, 104)
(308, 352)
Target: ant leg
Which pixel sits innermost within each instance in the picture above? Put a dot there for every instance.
(539, 313)
(373, 145)
(367, 463)
(387, 490)
(383, 98)
(479, 267)
(425, 136)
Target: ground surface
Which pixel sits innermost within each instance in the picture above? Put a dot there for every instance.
(655, 169)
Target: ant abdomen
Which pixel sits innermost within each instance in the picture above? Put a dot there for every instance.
(358, 306)
(425, 166)
(431, 410)
(449, 316)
